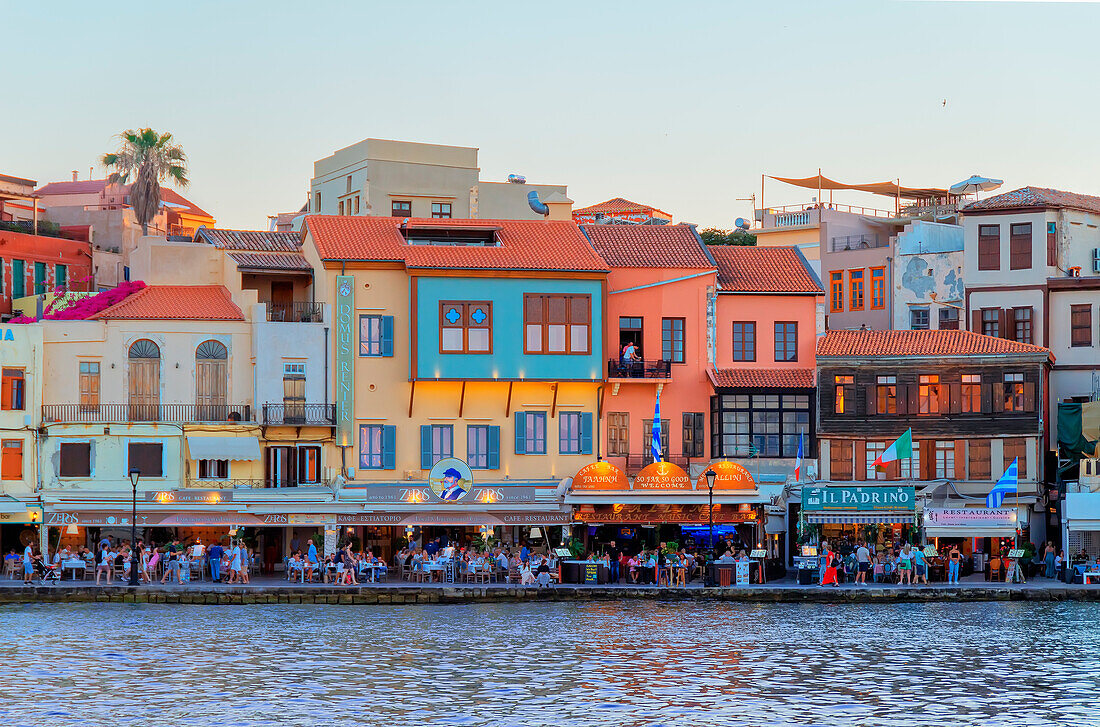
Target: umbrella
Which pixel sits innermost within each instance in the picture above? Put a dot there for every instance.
(975, 184)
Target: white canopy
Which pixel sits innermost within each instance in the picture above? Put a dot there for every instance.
(232, 448)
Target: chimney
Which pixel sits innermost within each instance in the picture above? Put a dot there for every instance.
(74, 175)
(561, 207)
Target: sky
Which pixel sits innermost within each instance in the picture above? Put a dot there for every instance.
(682, 105)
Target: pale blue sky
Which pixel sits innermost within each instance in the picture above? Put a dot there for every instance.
(678, 104)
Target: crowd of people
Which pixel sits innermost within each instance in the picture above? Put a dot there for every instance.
(343, 568)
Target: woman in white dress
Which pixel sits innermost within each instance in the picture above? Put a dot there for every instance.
(235, 564)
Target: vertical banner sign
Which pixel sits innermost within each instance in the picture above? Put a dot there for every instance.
(345, 358)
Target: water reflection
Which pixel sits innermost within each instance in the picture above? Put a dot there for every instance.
(628, 664)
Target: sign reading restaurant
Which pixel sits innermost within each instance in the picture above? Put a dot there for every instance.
(887, 497)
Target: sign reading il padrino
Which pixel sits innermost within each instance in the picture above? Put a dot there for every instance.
(888, 497)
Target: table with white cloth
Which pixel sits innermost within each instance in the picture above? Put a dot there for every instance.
(74, 565)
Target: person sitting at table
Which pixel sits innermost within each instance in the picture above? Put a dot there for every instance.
(293, 567)
(526, 577)
(632, 565)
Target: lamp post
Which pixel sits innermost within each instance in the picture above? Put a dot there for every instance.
(710, 474)
(135, 475)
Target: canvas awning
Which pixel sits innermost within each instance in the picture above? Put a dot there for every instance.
(976, 531)
(231, 448)
(860, 518)
(888, 189)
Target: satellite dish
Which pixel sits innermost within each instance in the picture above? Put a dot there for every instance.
(742, 223)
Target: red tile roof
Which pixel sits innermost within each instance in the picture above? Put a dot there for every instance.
(648, 246)
(762, 378)
(751, 269)
(179, 302)
(173, 197)
(918, 343)
(618, 204)
(1036, 197)
(96, 186)
(270, 260)
(524, 244)
(252, 240)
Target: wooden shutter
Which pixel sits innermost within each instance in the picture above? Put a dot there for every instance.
(998, 396)
(426, 455)
(871, 403)
(901, 399)
(955, 398)
(586, 433)
(944, 400)
(389, 447)
(146, 457)
(521, 432)
(1029, 396)
(987, 405)
(976, 321)
(913, 406)
(494, 447)
(11, 459)
(145, 389)
(1001, 323)
(76, 459)
(860, 456)
(387, 335)
(1052, 244)
(927, 458)
(960, 459)
(211, 396)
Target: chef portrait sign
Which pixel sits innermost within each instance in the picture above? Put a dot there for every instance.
(451, 479)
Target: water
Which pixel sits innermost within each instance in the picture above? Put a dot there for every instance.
(628, 664)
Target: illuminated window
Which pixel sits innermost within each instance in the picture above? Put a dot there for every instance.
(887, 395)
(841, 397)
(971, 393)
(1014, 392)
(929, 395)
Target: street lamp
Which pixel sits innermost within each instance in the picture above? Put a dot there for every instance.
(135, 475)
(710, 474)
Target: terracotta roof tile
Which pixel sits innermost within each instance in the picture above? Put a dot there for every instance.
(918, 343)
(252, 240)
(648, 246)
(524, 244)
(270, 260)
(617, 204)
(96, 186)
(1036, 197)
(762, 378)
(176, 302)
(751, 269)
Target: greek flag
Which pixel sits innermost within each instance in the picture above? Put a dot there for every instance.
(1008, 483)
(657, 430)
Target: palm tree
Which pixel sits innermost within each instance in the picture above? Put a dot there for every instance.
(150, 158)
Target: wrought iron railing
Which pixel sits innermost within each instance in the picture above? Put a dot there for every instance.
(298, 312)
(641, 369)
(322, 415)
(172, 413)
(856, 242)
(253, 483)
(635, 463)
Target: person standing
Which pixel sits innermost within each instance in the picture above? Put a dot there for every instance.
(312, 553)
(905, 566)
(863, 563)
(28, 563)
(920, 567)
(613, 557)
(235, 563)
(954, 560)
(1049, 557)
(215, 553)
(828, 577)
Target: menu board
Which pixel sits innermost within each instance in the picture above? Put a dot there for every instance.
(592, 573)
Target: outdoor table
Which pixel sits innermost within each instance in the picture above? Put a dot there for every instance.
(73, 565)
(370, 570)
(1089, 576)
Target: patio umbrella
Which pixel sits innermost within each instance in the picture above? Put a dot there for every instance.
(975, 184)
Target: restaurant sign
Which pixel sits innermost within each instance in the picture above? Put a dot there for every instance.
(659, 514)
(450, 517)
(981, 517)
(151, 519)
(413, 494)
(345, 358)
(862, 499)
(206, 497)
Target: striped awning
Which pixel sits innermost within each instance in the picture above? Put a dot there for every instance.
(861, 518)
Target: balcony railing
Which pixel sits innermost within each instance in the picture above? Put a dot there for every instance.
(246, 484)
(857, 242)
(298, 312)
(635, 463)
(644, 369)
(124, 413)
(318, 415)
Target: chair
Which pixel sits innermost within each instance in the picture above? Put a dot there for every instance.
(513, 573)
(10, 566)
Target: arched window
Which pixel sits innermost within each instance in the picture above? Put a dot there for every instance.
(144, 349)
(211, 381)
(144, 368)
(211, 351)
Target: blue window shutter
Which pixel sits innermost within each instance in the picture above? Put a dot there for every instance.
(426, 446)
(387, 335)
(389, 447)
(586, 433)
(494, 448)
(521, 439)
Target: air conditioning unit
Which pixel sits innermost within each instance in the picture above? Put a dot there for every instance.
(1096, 260)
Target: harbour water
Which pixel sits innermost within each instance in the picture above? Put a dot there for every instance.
(628, 664)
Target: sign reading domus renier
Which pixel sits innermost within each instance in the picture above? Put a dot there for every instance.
(888, 497)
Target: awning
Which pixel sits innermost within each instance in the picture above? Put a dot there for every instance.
(860, 518)
(775, 524)
(961, 531)
(9, 504)
(233, 448)
(888, 189)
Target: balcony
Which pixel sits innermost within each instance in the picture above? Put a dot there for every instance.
(857, 242)
(309, 415)
(129, 413)
(297, 312)
(635, 463)
(644, 369)
(249, 484)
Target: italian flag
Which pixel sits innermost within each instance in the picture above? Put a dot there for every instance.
(902, 448)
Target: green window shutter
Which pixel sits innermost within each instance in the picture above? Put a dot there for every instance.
(387, 335)
(521, 429)
(494, 448)
(586, 433)
(61, 276)
(389, 447)
(18, 279)
(39, 278)
(426, 447)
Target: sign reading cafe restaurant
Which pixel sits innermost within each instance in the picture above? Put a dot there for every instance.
(864, 499)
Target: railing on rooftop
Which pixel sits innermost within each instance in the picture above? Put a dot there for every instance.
(857, 242)
(244, 484)
(297, 312)
(321, 415)
(930, 210)
(793, 215)
(26, 227)
(635, 463)
(126, 413)
(641, 369)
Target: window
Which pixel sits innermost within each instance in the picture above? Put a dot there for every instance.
(147, 458)
(530, 432)
(991, 321)
(76, 459)
(886, 395)
(377, 446)
(978, 459)
(971, 394)
(909, 469)
(873, 451)
(348, 189)
(557, 323)
(356, 204)
(60, 276)
(945, 460)
(647, 440)
(919, 319)
(1052, 244)
(375, 335)
(766, 425)
(840, 403)
(786, 341)
(12, 390)
(744, 341)
(1019, 246)
(309, 465)
(1021, 322)
(18, 279)
(929, 395)
(989, 247)
(836, 291)
(437, 441)
(949, 319)
(317, 202)
(694, 434)
(855, 290)
(575, 432)
(213, 469)
(465, 327)
(11, 459)
(618, 434)
(1016, 448)
(483, 447)
(1014, 392)
(878, 288)
(840, 459)
(401, 208)
(89, 386)
(672, 339)
(441, 210)
(39, 278)
(341, 206)
(1080, 324)
(294, 392)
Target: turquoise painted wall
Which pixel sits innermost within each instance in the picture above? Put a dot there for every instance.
(507, 360)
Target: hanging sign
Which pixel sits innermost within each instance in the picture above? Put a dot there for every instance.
(345, 359)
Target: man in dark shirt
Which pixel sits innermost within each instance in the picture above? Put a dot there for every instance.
(613, 555)
(214, 552)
